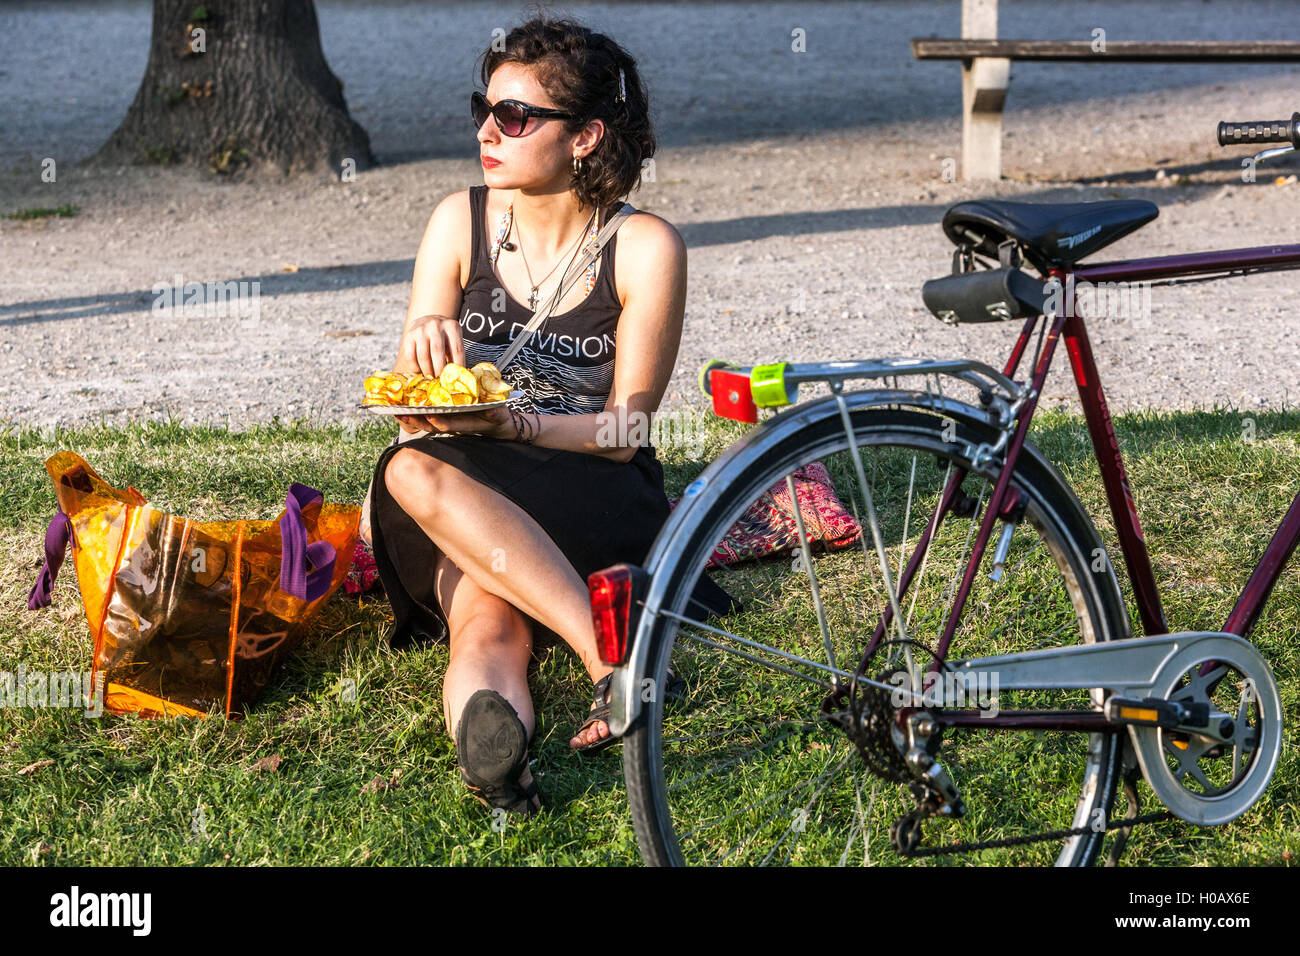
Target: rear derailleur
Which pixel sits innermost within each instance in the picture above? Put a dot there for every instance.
(917, 736)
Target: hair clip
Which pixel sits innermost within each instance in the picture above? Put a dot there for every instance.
(622, 87)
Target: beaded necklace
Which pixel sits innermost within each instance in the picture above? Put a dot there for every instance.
(503, 230)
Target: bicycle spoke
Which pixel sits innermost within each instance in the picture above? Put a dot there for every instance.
(757, 646)
(812, 802)
(925, 558)
(737, 760)
(773, 816)
(907, 514)
(806, 551)
(748, 808)
(859, 824)
(741, 730)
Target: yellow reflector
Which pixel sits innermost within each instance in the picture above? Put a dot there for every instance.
(1137, 713)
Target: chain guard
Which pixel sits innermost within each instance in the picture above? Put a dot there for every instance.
(1174, 763)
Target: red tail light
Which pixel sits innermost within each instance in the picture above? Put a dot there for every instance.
(732, 397)
(612, 610)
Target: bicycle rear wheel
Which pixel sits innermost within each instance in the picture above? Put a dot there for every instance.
(744, 767)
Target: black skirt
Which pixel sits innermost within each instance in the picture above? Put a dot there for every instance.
(597, 511)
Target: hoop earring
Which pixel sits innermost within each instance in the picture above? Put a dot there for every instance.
(577, 165)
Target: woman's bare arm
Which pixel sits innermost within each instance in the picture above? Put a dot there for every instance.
(436, 286)
(431, 335)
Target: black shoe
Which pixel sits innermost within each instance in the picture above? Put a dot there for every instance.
(492, 748)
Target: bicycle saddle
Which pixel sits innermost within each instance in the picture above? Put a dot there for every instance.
(1053, 234)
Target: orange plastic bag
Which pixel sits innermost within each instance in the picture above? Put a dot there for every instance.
(185, 614)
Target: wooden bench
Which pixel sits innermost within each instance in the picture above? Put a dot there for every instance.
(986, 71)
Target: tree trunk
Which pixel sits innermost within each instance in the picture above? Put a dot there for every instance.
(233, 84)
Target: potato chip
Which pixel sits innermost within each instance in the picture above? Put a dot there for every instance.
(457, 378)
(488, 378)
(456, 386)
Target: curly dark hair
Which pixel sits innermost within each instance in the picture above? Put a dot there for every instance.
(578, 68)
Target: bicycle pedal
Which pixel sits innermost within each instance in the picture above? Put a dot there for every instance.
(1154, 712)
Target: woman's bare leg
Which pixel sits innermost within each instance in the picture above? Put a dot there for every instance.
(491, 643)
(501, 549)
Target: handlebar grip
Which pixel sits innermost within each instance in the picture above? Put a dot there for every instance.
(1261, 131)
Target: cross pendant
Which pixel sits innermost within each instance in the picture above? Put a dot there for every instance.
(532, 299)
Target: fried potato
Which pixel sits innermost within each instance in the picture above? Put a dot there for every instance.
(488, 378)
(456, 385)
(457, 378)
(374, 386)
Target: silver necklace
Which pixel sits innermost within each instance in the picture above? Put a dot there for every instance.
(532, 294)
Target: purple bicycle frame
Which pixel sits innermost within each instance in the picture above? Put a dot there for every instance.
(1114, 477)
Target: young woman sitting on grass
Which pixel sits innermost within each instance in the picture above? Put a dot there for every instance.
(486, 525)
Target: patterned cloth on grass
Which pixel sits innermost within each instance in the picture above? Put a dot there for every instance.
(363, 576)
(768, 525)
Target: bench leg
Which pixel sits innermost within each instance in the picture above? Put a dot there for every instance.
(983, 92)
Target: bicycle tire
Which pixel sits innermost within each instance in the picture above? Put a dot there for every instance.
(1072, 539)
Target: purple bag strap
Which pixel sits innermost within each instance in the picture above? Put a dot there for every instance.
(296, 554)
(56, 547)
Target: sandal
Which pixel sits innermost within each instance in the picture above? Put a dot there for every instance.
(600, 709)
(492, 748)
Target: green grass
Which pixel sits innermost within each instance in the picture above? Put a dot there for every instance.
(126, 791)
(66, 211)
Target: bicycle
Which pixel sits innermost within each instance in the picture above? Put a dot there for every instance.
(854, 659)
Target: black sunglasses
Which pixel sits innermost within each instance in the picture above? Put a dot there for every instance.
(511, 115)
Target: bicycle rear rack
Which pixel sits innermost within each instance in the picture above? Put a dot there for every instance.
(739, 391)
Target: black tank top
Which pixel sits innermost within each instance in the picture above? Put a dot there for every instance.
(567, 365)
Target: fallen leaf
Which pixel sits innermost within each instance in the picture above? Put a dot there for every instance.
(379, 783)
(348, 334)
(271, 763)
(288, 268)
(32, 768)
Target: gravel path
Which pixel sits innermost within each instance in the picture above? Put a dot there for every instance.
(807, 186)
